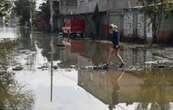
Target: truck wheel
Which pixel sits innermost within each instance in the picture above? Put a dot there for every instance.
(64, 35)
(81, 35)
(72, 35)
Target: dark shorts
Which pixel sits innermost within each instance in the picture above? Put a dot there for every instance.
(116, 46)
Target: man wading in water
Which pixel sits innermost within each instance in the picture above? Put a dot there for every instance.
(115, 49)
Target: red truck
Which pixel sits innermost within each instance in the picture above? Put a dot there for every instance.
(74, 27)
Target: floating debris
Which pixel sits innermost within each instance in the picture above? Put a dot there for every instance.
(55, 67)
(151, 62)
(73, 66)
(60, 45)
(159, 64)
(17, 68)
(44, 67)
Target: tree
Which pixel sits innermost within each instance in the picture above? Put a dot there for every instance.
(44, 14)
(5, 9)
(24, 10)
(5, 6)
(13, 95)
(156, 10)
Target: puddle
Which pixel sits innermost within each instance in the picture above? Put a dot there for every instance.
(51, 77)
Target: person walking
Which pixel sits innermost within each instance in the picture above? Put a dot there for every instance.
(115, 49)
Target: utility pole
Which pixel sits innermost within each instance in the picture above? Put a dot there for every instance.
(31, 13)
(51, 15)
(52, 47)
(31, 8)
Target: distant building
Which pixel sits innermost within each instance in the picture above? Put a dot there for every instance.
(133, 23)
(97, 13)
(139, 24)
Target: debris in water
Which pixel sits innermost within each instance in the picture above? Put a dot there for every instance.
(17, 68)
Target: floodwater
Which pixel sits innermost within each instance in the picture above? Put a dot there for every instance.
(37, 73)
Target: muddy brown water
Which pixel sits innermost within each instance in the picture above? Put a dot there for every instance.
(51, 77)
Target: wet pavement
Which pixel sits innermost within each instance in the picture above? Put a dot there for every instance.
(39, 74)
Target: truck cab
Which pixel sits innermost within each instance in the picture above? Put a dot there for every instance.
(74, 27)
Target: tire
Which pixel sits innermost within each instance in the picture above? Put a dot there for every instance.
(82, 35)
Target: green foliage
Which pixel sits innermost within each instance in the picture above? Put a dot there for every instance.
(156, 10)
(156, 6)
(5, 6)
(5, 9)
(45, 11)
(44, 14)
(24, 9)
(13, 96)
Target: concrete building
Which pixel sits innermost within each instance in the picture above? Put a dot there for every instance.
(138, 23)
(88, 6)
(97, 13)
(133, 23)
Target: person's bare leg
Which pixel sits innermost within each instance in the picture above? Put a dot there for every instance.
(119, 56)
(110, 55)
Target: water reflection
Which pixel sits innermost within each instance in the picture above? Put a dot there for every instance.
(114, 88)
(156, 89)
(52, 57)
(13, 96)
(43, 41)
(24, 38)
(102, 84)
(92, 52)
(73, 87)
(8, 33)
(152, 91)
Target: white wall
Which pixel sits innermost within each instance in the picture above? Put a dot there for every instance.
(88, 6)
(136, 24)
(128, 24)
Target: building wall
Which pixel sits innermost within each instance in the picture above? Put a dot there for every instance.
(79, 7)
(117, 18)
(68, 7)
(122, 4)
(128, 26)
(132, 23)
(137, 25)
(90, 28)
(84, 7)
(88, 6)
(166, 30)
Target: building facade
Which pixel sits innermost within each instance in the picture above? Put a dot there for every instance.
(98, 14)
(133, 23)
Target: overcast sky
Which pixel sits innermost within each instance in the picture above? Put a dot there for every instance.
(38, 2)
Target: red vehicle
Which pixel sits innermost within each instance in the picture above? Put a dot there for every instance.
(74, 27)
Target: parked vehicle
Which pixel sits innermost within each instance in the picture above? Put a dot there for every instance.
(74, 27)
(60, 35)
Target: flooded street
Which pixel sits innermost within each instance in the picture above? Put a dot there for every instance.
(37, 73)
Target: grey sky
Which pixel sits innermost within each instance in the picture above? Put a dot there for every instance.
(38, 2)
